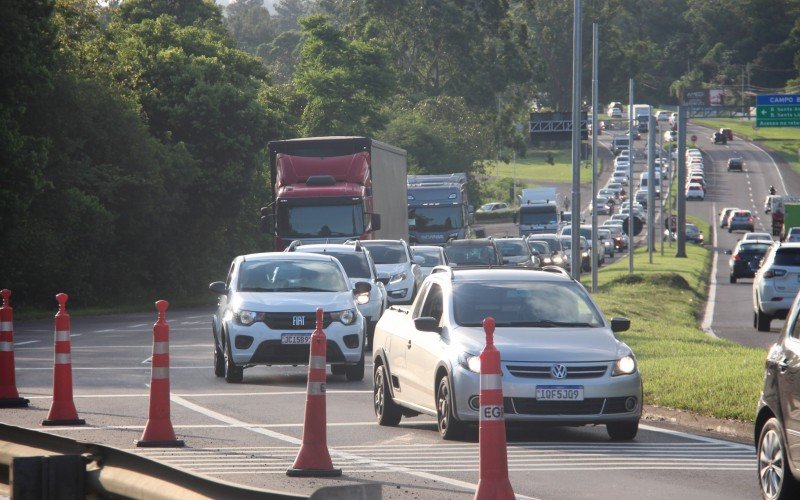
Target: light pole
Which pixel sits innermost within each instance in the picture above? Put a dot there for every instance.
(593, 203)
(575, 202)
(630, 176)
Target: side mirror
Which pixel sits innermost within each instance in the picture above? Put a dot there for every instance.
(362, 288)
(218, 287)
(427, 324)
(375, 222)
(418, 260)
(620, 324)
(470, 209)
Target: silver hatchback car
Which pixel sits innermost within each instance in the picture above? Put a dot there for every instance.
(560, 360)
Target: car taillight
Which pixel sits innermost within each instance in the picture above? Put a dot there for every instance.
(774, 273)
(737, 257)
(749, 219)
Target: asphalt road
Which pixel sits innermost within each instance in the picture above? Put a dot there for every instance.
(732, 314)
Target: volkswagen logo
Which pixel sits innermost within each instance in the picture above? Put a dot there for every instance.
(558, 371)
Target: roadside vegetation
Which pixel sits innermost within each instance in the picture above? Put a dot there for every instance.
(682, 366)
(782, 143)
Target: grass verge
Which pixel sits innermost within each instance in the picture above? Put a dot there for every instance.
(783, 143)
(681, 366)
(534, 168)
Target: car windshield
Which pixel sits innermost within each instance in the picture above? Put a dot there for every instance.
(545, 214)
(471, 255)
(355, 264)
(430, 256)
(320, 221)
(542, 304)
(290, 276)
(787, 257)
(440, 218)
(386, 253)
(692, 229)
(512, 248)
(539, 246)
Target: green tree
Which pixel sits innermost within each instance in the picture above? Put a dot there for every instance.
(250, 24)
(343, 81)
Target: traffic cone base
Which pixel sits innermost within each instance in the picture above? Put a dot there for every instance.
(178, 443)
(13, 402)
(77, 421)
(314, 472)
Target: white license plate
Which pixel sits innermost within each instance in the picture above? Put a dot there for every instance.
(296, 338)
(559, 392)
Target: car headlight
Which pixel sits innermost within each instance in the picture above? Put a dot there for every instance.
(362, 298)
(547, 260)
(397, 278)
(585, 254)
(557, 259)
(624, 366)
(247, 318)
(470, 361)
(346, 317)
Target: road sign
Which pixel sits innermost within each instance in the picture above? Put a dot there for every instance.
(778, 110)
(693, 138)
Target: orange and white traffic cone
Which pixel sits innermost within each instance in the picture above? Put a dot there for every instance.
(313, 460)
(158, 433)
(9, 397)
(493, 483)
(62, 411)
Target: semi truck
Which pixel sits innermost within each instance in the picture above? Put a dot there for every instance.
(438, 209)
(776, 210)
(538, 211)
(333, 189)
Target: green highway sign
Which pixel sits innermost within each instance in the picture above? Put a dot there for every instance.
(778, 111)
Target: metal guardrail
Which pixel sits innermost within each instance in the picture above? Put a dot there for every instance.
(39, 465)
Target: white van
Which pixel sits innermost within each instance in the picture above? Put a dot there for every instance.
(643, 179)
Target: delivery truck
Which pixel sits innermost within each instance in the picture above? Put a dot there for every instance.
(333, 189)
(538, 211)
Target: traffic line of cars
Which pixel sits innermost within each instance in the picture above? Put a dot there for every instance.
(561, 361)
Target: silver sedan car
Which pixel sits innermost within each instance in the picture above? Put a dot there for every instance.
(560, 360)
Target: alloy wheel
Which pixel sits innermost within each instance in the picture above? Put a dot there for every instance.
(771, 467)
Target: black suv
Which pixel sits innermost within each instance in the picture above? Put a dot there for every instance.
(736, 164)
(746, 258)
(777, 419)
(719, 138)
(477, 252)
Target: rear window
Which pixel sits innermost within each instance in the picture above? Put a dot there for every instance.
(787, 257)
(754, 248)
(386, 253)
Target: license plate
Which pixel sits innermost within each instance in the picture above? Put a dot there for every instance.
(296, 338)
(559, 392)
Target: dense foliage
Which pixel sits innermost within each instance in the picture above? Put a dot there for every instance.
(132, 134)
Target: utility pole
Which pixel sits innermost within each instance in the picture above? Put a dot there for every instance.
(681, 198)
(575, 202)
(595, 241)
(651, 185)
(630, 176)
(663, 195)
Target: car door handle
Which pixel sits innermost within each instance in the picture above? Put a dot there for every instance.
(409, 343)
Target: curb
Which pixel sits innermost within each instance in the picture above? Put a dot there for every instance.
(721, 428)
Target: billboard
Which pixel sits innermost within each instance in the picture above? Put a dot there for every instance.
(555, 126)
(703, 97)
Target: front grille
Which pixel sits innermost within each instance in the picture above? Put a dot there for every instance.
(272, 351)
(543, 371)
(589, 406)
(295, 321)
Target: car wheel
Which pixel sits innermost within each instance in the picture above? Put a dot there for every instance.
(774, 474)
(233, 374)
(733, 279)
(762, 321)
(450, 427)
(755, 320)
(219, 360)
(622, 431)
(355, 373)
(387, 411)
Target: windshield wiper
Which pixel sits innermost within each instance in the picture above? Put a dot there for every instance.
(256, 289)
(551, 324)
(301, 289)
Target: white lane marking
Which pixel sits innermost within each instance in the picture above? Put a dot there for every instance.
(148, 360)
(708, 316)
(26, 342)
(103, 331)
(334, 452)
(113, 368)
(204, 316)
(106, 348)
(139, 325)
(217, 426)
(210, 395)
(696, 437)
(75, 335)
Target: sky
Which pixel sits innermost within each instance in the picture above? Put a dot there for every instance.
(268, 3)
